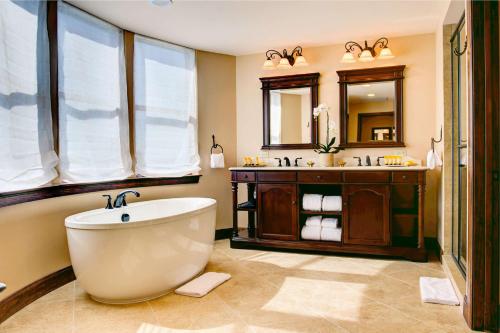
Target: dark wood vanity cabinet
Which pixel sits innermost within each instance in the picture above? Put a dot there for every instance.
(276, 211)
(366, 214)
(382, 209)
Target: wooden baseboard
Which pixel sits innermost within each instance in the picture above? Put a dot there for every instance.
(223, 233)
(33, 291)
(432, 245)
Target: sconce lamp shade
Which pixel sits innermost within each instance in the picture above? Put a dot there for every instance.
(348, 58)
(300, 61)
(386, 53)
(284, 64)
(268, 64)
(366, 56)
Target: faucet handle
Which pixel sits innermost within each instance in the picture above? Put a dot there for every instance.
(378, 160)
(296, 161)
(279, 160)
(359, 160)
(108, 204)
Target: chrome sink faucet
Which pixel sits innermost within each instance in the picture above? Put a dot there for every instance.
(120, 198)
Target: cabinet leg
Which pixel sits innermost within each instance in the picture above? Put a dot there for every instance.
(251, 215)
(234, 189)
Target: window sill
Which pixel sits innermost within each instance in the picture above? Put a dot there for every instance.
(13, 198)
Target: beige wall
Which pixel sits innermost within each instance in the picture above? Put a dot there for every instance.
(290, 118)
(416, 52)
(32, 235)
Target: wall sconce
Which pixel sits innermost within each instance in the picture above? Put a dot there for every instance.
(286, 60)
(367, 53)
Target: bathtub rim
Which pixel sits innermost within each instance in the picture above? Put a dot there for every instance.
(70, 223)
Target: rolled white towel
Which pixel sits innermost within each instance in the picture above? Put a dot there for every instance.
(331, 234)
(332, 203)
(311, 233)
(329, 222)
(217, 161)
(313, 221)
(203, 284)
(312, 202)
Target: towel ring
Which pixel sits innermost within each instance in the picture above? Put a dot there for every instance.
(215, 145)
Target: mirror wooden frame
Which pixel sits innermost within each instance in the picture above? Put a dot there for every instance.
(287, 82)
(366, 75)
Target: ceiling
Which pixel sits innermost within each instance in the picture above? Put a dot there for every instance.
(246, 27)
(380, 91)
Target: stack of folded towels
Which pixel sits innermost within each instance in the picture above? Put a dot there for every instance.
(318, 202)
(318, 228)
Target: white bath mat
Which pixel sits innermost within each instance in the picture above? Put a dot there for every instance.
(203, 284)
(439, 291)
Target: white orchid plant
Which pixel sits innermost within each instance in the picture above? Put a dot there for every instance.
(328, 147)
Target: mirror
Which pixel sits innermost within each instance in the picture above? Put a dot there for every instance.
(371, 110)
(288, 103)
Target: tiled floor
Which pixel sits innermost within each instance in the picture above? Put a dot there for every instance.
(269, 292)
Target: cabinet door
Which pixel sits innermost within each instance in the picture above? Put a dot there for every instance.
(277, 211)
(366, 214)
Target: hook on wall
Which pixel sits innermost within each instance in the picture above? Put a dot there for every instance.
(433, 141)
(457, 52)
(215, 145)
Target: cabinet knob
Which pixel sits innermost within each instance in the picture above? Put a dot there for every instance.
(318, 177)
(246, 176)
(294, 202)
(404, 176)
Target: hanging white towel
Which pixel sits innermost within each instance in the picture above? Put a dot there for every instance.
(332, 203)
(437, 159)
(330, 222)
(439, 291)
(312, 202)
(311, 233)
(431, 159)
(331, 234)
(203, 284)
(217, 161)
(313, 221)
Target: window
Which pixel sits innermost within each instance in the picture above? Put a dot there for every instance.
(165, 109)
(27, 158)
(93, 114)
(86, 103)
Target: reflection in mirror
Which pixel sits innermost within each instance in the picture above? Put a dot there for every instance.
(370, 112)
(290, 116)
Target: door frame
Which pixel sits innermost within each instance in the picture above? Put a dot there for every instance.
(481, 296)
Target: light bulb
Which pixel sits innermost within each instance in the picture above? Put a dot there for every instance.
(348, 58)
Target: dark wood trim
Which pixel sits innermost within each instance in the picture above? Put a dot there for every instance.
(53, 60)
(288, 82)
(365, 75)
(223, 233)
(33, 291)
(481, 298)
(128, 48)
(13, 198)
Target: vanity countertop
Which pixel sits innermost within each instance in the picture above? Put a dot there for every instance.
(305, 168)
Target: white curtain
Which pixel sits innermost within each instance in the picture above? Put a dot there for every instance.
(165, 114)
(93, 114)
(27, 157)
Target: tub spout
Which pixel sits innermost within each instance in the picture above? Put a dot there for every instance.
(120, 198)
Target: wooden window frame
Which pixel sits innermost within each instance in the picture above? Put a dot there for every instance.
(57, 190)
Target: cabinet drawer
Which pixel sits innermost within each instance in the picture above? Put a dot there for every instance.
(320, 177)
(277, 176)
(366, 177)
(243, 176)
(404, 177)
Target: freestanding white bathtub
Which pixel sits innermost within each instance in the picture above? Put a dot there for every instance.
(166, 243)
